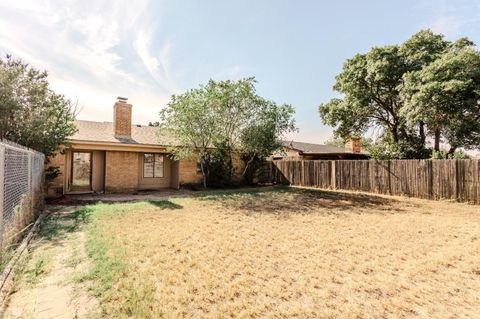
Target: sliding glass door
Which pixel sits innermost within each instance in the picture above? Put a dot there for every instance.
(81, 171)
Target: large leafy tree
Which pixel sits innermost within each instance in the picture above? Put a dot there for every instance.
(369, 83)
(31, 114)
(189, 118)
(445, 95)
(232, 105)
(378, 86)
(224, 118)
(263, 135)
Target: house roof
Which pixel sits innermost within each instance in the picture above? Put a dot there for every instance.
(90, 131)
(310, 148)
(102, 132)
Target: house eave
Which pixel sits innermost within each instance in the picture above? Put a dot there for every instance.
(113, 146)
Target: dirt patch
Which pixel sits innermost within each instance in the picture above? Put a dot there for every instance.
(45, 284)
(280, 253)
(291, 254)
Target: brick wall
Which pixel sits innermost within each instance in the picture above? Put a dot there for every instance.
(122, 119)
(121, 171)
(189, 175)
(353, 145)
(188, 172)
(155, 183)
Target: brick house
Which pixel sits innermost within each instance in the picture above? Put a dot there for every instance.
(120, 157)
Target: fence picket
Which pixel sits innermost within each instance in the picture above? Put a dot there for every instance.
(431, 179)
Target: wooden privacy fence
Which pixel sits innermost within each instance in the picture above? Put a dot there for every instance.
(432, 179)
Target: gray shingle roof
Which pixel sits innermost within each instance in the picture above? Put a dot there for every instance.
(310, 148)
(103, 132)
(90, 131)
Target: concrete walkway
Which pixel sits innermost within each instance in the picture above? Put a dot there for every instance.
(46, 286)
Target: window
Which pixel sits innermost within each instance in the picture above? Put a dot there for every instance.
(152, 165)
(199, 167)
(158, 167)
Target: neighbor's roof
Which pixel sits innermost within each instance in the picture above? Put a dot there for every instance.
(310, 148)
(91, 131)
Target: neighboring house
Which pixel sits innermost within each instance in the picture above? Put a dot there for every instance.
(307, 151)
(120, 157)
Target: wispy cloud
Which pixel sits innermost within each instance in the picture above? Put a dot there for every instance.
(454, 18)
(158, 65)
(91, 50)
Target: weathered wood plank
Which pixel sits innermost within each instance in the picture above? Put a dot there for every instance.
(431, 179)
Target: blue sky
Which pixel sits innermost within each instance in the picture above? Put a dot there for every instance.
(147, 50)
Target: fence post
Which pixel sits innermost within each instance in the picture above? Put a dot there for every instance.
(429, 178)
(334, 174)
(457, 181)
(390, 177)
(2, 193)
(30, 184)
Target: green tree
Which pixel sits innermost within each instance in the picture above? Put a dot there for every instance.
(444, 154)
(190, 119)
(369, 83)
(445, 96)
(233, 104)
(221, 118)
(269, 123)
(31, 114)
(376, 86)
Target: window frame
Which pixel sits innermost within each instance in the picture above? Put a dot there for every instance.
(198, 167)
(72, 160)
(154, 156)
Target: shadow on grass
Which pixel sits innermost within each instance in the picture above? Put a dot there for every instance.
(165, 204)
(289, 199)
(58, 224)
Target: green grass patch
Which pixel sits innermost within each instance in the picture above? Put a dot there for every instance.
(31, 271)
(36, 270)
(120, 291)
(57, 226)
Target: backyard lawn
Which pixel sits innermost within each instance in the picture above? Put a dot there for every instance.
(278, 253)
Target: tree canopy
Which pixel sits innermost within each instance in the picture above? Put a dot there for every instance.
(426, 87)
(31, 113)
(226, 115)
(445, 96)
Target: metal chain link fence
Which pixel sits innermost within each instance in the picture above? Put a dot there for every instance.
(21, 190)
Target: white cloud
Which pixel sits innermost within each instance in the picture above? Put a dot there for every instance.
(88, 47)
(158, 68)
(453, 18)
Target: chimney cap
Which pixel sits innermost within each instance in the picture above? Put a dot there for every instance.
(122, 99)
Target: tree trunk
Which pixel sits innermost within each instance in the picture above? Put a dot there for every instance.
(394, 131)
(203, 174)
(451, 150)
(247, 165)
(436, 146)
(230, 167)
(422, 132)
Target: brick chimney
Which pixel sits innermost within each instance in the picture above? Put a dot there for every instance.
(122, 118)
(353, 145)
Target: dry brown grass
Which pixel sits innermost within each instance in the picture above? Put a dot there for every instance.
(296, 253)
